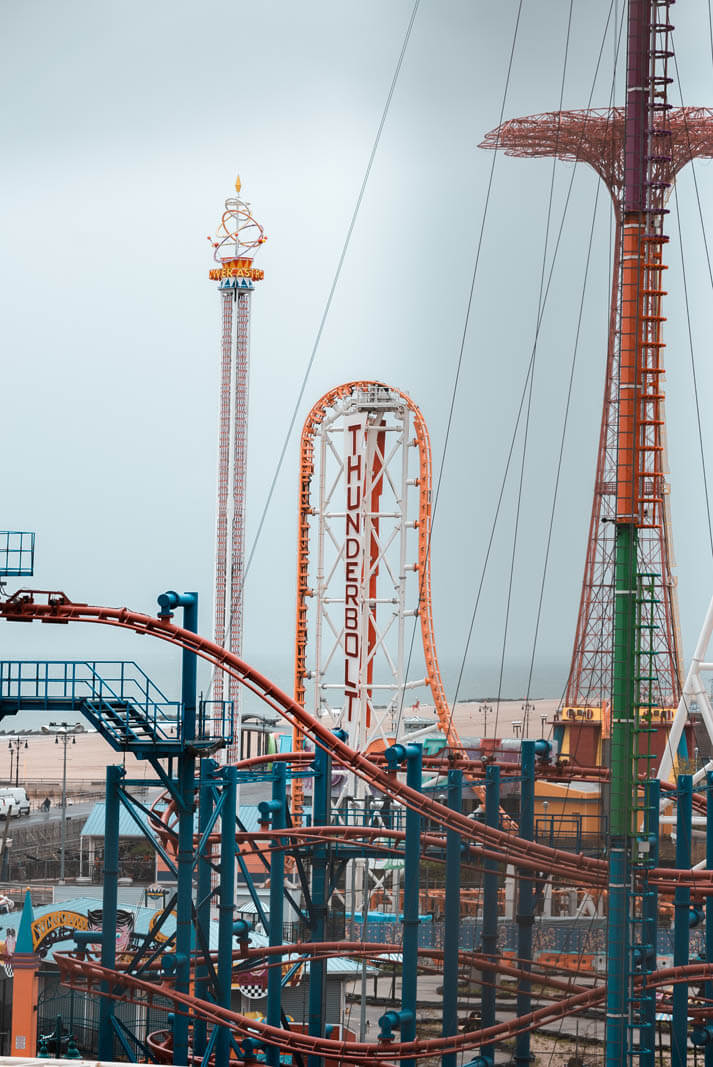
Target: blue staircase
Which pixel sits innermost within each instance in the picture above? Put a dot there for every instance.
(118, 699)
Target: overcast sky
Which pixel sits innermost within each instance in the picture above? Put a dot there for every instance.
(122, 131)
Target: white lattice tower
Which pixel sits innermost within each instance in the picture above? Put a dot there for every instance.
(363, 578)
(238, 236)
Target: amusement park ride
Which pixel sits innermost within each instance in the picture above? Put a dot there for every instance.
(363, 785)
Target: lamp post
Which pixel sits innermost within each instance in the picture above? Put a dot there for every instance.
(63, 731)
(526, 708)
(15, 744)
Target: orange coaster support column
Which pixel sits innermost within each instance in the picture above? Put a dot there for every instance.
(25, 987)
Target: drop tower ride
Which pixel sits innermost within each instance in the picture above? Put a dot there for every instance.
(237, 239)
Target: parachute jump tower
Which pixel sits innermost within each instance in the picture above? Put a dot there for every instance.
(598, 137)
(237, 239)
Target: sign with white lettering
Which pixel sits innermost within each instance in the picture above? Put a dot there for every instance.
(354, 436)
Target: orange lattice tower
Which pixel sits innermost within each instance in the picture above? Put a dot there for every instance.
(597, 137)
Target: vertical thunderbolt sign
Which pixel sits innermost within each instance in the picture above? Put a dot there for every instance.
(353, 566)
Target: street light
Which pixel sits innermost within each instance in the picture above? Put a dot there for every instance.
(65, 731)
(15, 744)
(526, 708)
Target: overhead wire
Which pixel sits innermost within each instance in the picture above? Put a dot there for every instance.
(618, 36)
(523, 395)
(617, 39)
(332, 290)
(694, 374)
(710, 276)
(528, 409)
(464, 334)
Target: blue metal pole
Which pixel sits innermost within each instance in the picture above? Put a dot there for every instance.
(490, 908)
(109, 907)
(168, 602)
(649, 914)
(277, 877)
(452, 923)
(681, 929)
(205, 811)
(708, 988)
(186, 790)
(322, 796)
(525, 896)
(412, 863)
(227, 906)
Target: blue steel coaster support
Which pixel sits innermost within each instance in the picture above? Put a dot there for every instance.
(205, 810)
(490, 909)
(525, 896)
(321, 810)
(168, 602)
(109, 907)
(412, 864)
(649, 926)
(227, 907)
(708, 988)
(452, 925)
(405, 1019)
(275, 811)
(681, 927)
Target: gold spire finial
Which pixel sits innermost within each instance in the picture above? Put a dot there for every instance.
(238, 184)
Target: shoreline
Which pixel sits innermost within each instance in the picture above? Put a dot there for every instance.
(89, 754)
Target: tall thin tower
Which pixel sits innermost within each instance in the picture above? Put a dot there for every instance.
(237, 239)
(597, 137)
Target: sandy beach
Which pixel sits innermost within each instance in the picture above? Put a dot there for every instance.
(87, 758)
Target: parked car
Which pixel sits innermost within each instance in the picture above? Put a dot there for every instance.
(17, 800)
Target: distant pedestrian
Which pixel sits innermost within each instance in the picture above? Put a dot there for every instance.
(46, 804)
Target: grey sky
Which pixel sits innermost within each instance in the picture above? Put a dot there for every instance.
(123, 128)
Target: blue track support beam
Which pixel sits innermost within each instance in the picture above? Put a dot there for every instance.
(490, 908)
(525, 896)
(277, 807)
(452, 924)
(708, 988)
(109, 907)
(184, 904)
(412, 864)
(227, 907)
(205, 810)
(168, 602)
(681, 927)
(321, 816)
(649, 926)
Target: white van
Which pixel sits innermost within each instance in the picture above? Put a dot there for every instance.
(17, 801)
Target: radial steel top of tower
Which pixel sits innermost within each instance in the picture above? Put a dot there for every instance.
(596, 136)
(237, 239)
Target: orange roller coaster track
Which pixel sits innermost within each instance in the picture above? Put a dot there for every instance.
(306, 511)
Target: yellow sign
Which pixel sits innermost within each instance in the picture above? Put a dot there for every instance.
(46, 925)
(236, 268)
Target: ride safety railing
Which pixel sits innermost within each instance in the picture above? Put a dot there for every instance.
(116, 696)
